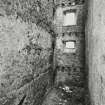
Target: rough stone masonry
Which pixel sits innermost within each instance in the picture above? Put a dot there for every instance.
(28, 52)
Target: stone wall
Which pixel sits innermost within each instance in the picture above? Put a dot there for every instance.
(70, 85)
(25, 53)
(95, 32)
(77, 58)
(70, 80)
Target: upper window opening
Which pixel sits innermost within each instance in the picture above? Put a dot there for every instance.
(69, 18)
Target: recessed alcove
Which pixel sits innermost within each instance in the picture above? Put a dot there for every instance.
(69, 46)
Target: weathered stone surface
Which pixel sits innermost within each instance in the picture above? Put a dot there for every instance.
(95, 35)
(25, 57)
(70, 71)
(76, 59)
(25, 51)
(71, 81)
(69, 2)
(62, 96)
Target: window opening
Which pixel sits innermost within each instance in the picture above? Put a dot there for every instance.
(70, 18)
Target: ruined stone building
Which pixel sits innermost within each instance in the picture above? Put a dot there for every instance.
(69, 54)
(52, 52)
